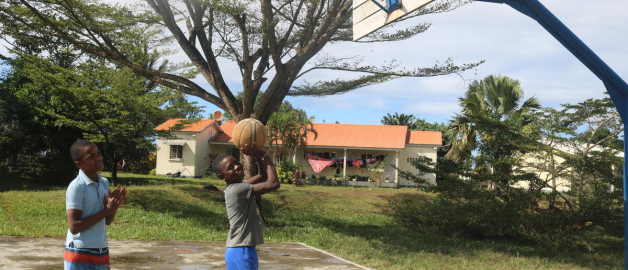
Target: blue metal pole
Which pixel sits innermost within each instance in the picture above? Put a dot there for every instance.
(625, 201)
(615, 85)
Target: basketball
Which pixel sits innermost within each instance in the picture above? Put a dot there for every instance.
(249, 131)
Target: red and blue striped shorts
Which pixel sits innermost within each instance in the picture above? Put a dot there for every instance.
(86, 258)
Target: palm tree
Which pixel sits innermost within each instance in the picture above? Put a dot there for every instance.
(288, 129)
(399, 120)
(491, 108)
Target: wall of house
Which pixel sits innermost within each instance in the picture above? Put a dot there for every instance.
(185, 165)
(202, 150)
(562, 184)
(221, 149)
(411, 152)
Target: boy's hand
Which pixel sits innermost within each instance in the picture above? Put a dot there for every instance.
(253, 151)
(114, 199)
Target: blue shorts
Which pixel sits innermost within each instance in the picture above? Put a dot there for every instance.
(241, 258)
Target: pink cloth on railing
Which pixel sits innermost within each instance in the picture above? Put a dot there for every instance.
(357, 163)
(319, 165)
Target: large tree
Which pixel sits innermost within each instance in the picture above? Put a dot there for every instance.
(272, 42)
(269, 39)
(31, 143)
(496, 123)
(586, 136)
(111, 106)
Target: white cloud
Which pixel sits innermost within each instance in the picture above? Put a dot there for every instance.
(511, 43)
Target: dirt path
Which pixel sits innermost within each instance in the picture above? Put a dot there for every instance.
(47, 253)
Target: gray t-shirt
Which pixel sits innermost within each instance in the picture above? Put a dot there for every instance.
(245, 222)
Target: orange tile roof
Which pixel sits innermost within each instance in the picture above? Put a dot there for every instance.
(359, 136)
(356, 136)
(227, 127)
(194, 127)
(425, 137)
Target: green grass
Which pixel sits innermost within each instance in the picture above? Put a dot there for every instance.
(350, 222)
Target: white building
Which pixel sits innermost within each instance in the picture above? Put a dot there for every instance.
(197, 143)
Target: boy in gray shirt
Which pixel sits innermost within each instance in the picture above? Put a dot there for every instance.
(245, 222)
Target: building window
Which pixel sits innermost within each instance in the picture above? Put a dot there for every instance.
(409, 160)
(176, 151)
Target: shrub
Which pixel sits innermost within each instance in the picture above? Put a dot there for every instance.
(209, 172)
(144, 165)
(487, 217)
(285, 171)
(284, 177)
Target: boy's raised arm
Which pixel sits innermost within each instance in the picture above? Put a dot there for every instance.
(267, 180)
(267, 168)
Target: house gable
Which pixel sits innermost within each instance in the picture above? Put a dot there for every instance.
(427, 138)
(226, 131)
(196, 127)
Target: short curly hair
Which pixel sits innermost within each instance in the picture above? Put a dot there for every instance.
(77, 149)
(216, 163)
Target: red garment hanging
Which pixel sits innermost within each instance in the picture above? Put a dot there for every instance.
(319, 165)
(358, 163)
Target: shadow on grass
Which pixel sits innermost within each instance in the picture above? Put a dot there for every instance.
(162, 201)
(217, 197)
(152, 181)
(14, 182)
(409, 241)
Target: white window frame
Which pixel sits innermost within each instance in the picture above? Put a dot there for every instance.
(176, 152)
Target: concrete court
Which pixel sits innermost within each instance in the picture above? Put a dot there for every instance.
(47, 253)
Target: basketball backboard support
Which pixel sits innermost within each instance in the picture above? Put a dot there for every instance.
(369, 16)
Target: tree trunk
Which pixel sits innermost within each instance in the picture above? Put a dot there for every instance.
(249, 164)
(114, 174)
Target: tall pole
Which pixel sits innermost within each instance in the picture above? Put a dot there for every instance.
(625, 201)
(344, 165)
(397, 169)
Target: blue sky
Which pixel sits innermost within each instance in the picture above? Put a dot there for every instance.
(511, 44)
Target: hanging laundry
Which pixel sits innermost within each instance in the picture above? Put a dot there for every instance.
(319, 165)
(358, 162)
